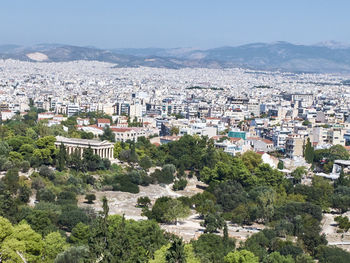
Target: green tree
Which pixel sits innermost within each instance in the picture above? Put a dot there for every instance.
(324, 191)
(309, 151)
(180, 184)
(241, 256)
(212, 222)
(304, 258)
(62, 157)
(175, 211)
(6, 228)
(160, 254)
(143, 201)
(4, 148)
(11, 180)
(341, 198)
(22, 243)
(251, 160)
(328, 254)
(90, 198)
(298, 174)
(108, 134)
(90, 160)
(276, 257)
(176, 251)
(54, 244)
(40, 222)
(80, 234)
(45, 195)
(73, 255)
(343, 222)
(212, 248)
(145, 162)
(280, 165)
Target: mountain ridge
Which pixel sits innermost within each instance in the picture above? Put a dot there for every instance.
(327, 57)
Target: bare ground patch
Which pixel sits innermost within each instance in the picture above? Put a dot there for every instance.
(189, 228)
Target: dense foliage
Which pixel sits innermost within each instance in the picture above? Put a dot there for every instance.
(41, 221)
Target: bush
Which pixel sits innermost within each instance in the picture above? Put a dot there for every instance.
(45, 195)
(66, 197)
(166, 175)
(180, 184)
(106, 164)
(147, 180)
(126, 186)
(167, 210)
(46, 172)
(38, 183)
(90, 198)
(332, 254)
(71, 216)
(25, 165)
(145, 163)
(143, 201)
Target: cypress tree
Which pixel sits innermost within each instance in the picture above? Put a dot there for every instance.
(62, 157)
(309, 152)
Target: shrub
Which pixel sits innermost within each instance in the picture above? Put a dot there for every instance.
(25, 165)
(166, 175)
(46, 172)
(180, 184)
(143, 201)
(45, 195)
(90, 198)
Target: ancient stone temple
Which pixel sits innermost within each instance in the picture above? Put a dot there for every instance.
(104, 149)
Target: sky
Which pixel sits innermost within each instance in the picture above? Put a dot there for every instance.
(172, 23)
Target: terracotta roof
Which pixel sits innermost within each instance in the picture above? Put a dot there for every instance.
(103, 121)
(121, 129)
(235, 139)
(95, 126)
(267, 141)
(260, 139)
(217, 137)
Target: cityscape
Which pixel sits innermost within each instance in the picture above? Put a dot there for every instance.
(234, 148)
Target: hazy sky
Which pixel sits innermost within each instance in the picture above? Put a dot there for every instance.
(172, 23)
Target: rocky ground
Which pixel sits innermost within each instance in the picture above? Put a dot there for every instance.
(329, 228)
(189, 228)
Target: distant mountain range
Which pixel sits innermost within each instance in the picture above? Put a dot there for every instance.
(324, 57)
